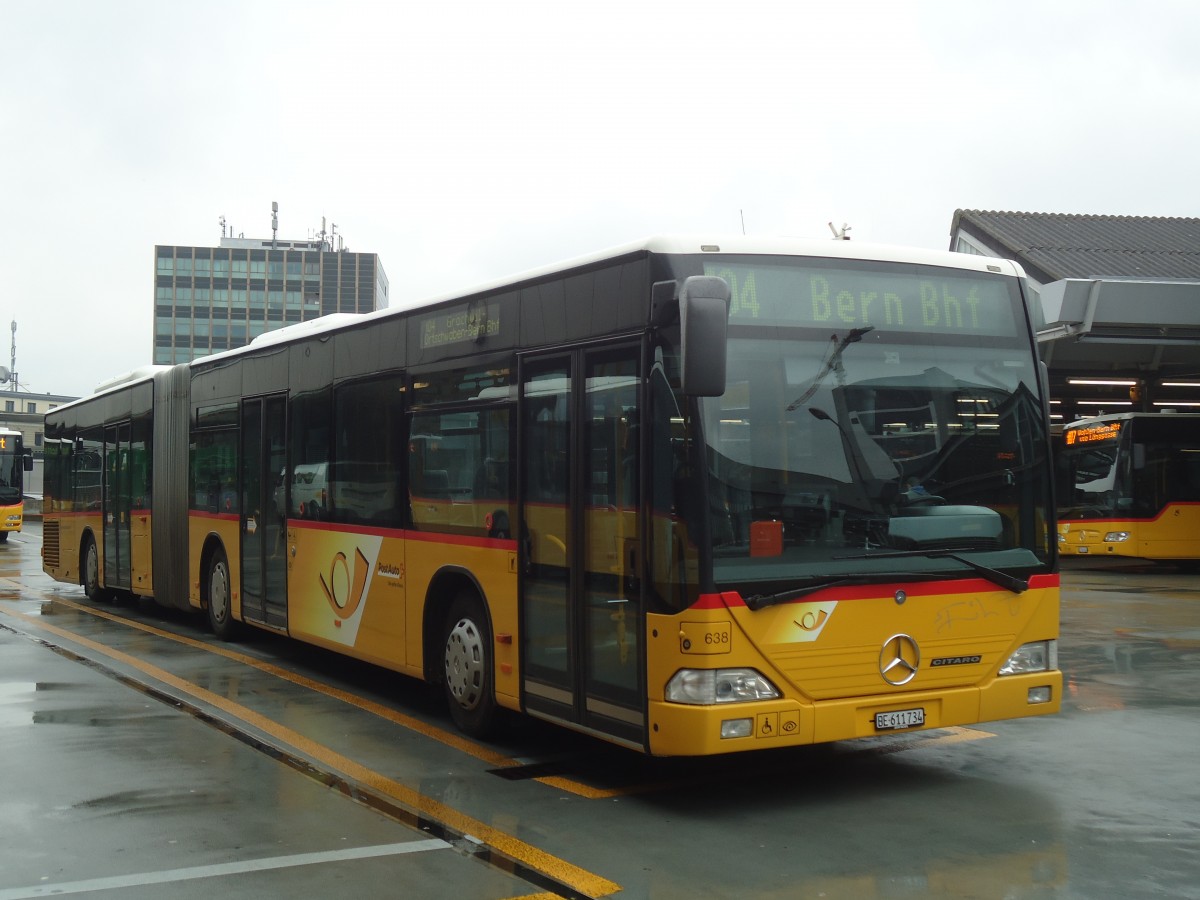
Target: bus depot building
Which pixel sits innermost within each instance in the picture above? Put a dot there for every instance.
(1120, 298)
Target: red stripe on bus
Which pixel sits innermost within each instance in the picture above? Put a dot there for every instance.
(429, 537)
(1117, 520)
(874, 591)
(223, 517)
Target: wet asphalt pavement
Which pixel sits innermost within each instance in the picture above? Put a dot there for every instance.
(144, 759)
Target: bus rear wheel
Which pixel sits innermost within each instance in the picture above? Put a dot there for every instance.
(218, 594)
(91, 573)
(468, 677)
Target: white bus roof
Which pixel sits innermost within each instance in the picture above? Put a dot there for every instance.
(664, 244)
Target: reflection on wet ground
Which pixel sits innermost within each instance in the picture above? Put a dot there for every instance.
(1096, 802)
(1131, 636)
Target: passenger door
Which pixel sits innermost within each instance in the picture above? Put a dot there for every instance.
(117, 491)
(264, 557)
(580, 537)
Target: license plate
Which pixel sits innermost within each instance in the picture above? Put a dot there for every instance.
(901, 718)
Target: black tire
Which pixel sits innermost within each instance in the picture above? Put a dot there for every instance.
(218, 596)
(468, 675)
(91, 573)
(3, 537)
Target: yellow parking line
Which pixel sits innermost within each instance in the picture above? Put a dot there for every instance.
(528, 855)
(450, 739)
(431, 731)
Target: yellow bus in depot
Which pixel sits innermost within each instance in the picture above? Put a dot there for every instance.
(15, 461)
(1129, 486)
(692, 496)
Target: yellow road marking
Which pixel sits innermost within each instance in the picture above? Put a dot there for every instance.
(431, 731)
(533, 857)
(448, 738)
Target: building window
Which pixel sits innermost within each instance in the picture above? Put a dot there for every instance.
(963, 245)
(30, 407)
(166, 265)
(10, 405)
(39, 437)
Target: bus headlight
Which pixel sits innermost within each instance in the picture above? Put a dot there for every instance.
(704, 687)
(1116, 537)
(1038, 656)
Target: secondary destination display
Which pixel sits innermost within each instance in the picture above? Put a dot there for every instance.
(1092, 434)
(469, 322)
(950, 303)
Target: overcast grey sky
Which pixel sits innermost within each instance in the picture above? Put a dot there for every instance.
(464, 141)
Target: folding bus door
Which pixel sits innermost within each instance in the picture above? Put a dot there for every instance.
(264, 560)
(580, 523)
(118, 487)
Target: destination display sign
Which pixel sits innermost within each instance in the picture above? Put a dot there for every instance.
(939, 301)
(1093, 434)
(468, 322)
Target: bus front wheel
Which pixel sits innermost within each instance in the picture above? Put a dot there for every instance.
(218, 593)
(467, 663)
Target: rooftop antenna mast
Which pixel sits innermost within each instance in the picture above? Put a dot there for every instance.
(274, 221)
(840, 235)
(13, 368)
(222, 226)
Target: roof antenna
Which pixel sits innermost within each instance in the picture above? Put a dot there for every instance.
(742, 213)
(840, 235)
(274, 221)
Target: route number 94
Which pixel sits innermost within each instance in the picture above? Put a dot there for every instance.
(705, 637)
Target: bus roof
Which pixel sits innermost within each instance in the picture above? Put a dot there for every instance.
(674, 244)
(1127, 416)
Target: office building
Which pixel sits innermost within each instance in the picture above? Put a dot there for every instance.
(209, 299)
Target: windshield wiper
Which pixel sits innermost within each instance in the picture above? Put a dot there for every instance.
(995, 576)
(833, 362)
(761, 601)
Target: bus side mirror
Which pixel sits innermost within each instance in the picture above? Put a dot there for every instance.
(27, 461)
(703, 322)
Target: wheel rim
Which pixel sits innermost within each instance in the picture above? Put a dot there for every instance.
(92, 570)
(218, 593)
(464, 664)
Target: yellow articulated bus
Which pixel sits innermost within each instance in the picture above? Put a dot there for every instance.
(692, 496)
(15, 461)
(1130, 487)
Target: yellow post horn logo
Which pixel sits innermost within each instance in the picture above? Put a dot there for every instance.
(345, 590)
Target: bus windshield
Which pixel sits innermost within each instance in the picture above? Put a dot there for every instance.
(1129, 467)
(878, 422)
(11, 470)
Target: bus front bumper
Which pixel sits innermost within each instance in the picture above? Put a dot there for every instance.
(684, 730)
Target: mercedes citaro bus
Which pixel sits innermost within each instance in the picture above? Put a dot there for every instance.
(690, 495)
